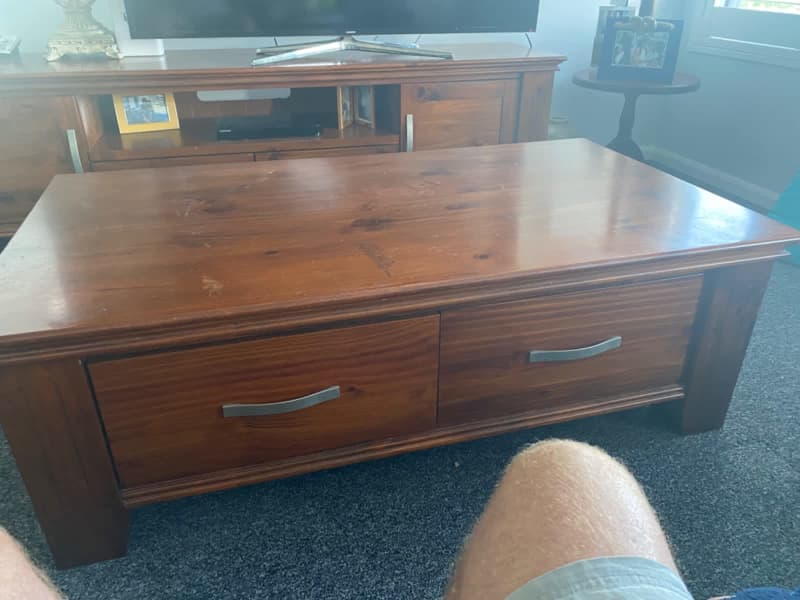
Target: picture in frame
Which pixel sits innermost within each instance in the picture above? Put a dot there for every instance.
(138, 113)
(344, 100)
(365, 105)
(605, 13)
(640, 50)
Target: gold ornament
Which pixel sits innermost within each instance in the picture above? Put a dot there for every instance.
(81, 34)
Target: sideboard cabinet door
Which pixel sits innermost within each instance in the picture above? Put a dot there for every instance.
(455, 114)
(34, 146)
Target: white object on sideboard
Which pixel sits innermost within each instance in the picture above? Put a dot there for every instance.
(127, 46)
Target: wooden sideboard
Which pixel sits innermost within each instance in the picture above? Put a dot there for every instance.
(177, 331)
(489, 94)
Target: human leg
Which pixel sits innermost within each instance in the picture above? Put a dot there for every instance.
(558, 502)
(19, 578)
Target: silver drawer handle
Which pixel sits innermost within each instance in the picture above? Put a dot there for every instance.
(409, 133)
(74, 152)
(536, 356)
(279, 408)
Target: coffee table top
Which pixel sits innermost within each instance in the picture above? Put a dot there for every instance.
(157, 251)
(683, 83)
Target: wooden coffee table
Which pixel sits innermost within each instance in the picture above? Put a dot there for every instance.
(177, 331)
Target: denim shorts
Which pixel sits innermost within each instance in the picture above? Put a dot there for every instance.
(613, 578)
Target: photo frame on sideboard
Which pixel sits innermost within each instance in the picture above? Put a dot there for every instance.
(139, 113)
(364, 103)
(344, 102)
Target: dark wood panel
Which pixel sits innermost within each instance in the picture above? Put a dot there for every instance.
(191, 107)
(178, 161)
(301, 100)
(199, 137)
(451, 115)
(14, 207)
(163, 412)
(730, 304)
(485, 370)
(91, 119)
(323, 152)
(534, 107)
(51, 424)
(176, 253)
(192, 70)
(33, 148)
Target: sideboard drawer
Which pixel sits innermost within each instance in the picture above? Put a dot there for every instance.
(487, 368)
(173, 161)
(164, 416)
(323, 152)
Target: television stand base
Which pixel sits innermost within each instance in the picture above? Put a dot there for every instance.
(267, 56)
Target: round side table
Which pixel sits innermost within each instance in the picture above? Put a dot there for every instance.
(623, 143)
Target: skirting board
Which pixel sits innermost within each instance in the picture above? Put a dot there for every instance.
(714, 179)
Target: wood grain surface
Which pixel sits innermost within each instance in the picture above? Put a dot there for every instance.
(178, 161)
(324, 152)
(535, 101)
(451, 115)
(33, 148)
(191, 70)
(439, 436)
(485, 370)
(163, 411)
(729, 307)
(49, 417)
(199, 137)
(143, 252)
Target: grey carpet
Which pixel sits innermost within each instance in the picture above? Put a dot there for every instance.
(729, 500)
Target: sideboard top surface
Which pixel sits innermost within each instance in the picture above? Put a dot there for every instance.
(230, 68)
(131, 251)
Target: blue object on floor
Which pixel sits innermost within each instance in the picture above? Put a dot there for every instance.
(767, 594)
(787, 210)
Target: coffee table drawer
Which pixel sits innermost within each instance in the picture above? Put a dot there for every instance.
(182, 413)
(497, 360)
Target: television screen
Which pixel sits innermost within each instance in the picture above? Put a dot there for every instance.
(262, 18)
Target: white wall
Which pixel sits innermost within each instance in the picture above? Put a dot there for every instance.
(35, 20)
(740, 131)
(743, 123)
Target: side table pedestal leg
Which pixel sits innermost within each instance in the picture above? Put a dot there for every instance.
(624, 143)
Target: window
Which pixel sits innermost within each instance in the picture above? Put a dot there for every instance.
(791, 7)
(760, 30)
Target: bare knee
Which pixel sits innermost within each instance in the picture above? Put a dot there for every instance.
(19, 578)
(556, 449)
(555, 458)
(583, 496)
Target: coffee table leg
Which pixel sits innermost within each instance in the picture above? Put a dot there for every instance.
(624, 143)
(728, 309)
(52, 425)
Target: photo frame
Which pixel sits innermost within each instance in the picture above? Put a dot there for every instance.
(640, 50)
(606, 13)
(138, 113)
(345, 109)
(364, 102)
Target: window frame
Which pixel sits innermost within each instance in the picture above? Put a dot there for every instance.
(704, 41)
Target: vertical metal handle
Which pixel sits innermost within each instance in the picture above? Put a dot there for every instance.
(280, 408)
(409, 133)
(74, 153)
(535, 356)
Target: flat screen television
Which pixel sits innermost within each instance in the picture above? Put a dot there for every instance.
(150, 19)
